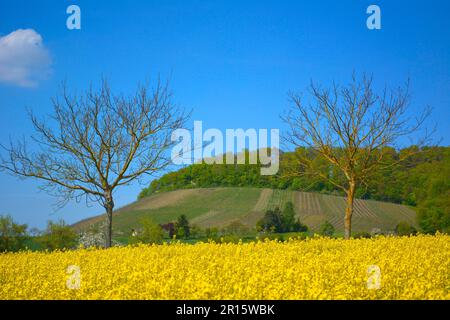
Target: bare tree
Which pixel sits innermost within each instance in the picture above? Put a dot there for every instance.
(97, 142)
(346, 133)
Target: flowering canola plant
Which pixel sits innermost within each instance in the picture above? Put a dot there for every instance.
(317, 268)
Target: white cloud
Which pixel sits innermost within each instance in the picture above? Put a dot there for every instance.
(24, 60)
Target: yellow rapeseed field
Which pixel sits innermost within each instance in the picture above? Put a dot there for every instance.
(318, 268)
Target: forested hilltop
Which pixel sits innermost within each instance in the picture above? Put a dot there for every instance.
(423, 181)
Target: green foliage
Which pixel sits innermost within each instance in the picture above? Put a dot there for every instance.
(421, 180)
(236, 228)
(432, 219)
(275, 221)
(58, 235)
(196, 232)
(288, 221)
(212, 233)
(271, 222)
(182, 227)
(326, 229)
(361, 235)
(150, 232)
(288, 217)
(405, 229)
(229, 238)
(273, 236)
(13, 236)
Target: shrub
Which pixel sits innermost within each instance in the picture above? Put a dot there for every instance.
(236, 228)
(432, 218)
(230, 238)
(362, 235)
(288, 222)
(278, 237)
(58, 235)
(12, 234)
(169, 228)
(326, 229)
(404, 229)
(150, 232)
(299, 227)
(196, 232)
(182, 227)
(271, 222)
(212, 233)
(281, 222)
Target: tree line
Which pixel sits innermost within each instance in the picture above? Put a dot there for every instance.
(420, 181)
(344, 137)
(15, 236)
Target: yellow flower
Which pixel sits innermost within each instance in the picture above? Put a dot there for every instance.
(318, 268)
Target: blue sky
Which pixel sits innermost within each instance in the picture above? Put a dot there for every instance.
(233, 62)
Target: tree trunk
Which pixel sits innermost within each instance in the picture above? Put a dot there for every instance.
(349, 211)
(109, 206)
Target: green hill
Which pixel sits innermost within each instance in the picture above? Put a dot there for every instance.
(218, 207)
